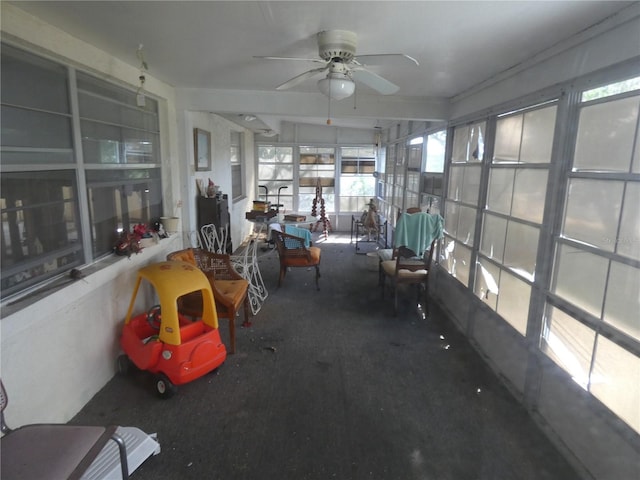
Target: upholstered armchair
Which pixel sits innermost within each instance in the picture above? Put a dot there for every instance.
(293, 253)
(229, 288)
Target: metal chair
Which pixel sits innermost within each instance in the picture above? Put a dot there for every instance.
(214, 239)
(246, 264)
(45, 451)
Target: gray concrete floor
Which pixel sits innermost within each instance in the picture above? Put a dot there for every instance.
(330, 385)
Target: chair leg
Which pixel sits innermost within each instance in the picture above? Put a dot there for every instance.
(283, 272)
(246, 307)
(317, 276)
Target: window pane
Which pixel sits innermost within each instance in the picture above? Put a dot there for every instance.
(476, 142)
(494, 233)
(569, 343)
(611, 89)
(537, 136)
(593, 209)
(513, 301)
(508, 135)
(40, 227)
(275, 172)
(458, 261)
(628, 244)
(460, 144)
(529, 193)
(455, 183)
(622, 306)
(436, 143)
(109, 144)
(35, 129)
(466, 225)
(114, 94)
(471, 184)
(118, 200)
(451, 218)
(615, 381)
(500, 190)
(580, 278)
(521, 249)
(605, 135)
(30, 81)
(413, 181)
(124, 115)
(50, 157)
(487, 281)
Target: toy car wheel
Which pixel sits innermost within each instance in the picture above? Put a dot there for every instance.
(123, 364)
(164, 387)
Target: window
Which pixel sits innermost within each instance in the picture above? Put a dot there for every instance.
(357, 183)
(317, 166)
(591, 320)
(414, 169)
(461, 204)
(47, 184)
(432, 176)
(513, 215)
(121, 152)
(275, 174)
(237, 159)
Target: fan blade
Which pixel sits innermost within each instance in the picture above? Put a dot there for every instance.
(299, 59)
(385, 59)
(301, 78)
(374, 81)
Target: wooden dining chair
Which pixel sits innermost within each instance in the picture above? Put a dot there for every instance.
(230, 290)
(407, 268)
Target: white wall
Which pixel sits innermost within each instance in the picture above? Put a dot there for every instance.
(613, 41)
(58, 352)
(220, 172)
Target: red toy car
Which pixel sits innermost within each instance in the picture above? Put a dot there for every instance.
(175, 348)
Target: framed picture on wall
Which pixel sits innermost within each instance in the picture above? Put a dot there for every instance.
(202, 149)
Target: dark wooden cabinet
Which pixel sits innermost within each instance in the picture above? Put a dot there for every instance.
(215, 210)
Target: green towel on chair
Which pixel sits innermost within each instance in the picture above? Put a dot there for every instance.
(417, 230)
(299, 232)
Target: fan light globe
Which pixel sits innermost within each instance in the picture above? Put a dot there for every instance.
(337, 86)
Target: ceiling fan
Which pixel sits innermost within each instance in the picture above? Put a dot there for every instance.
(337, 50)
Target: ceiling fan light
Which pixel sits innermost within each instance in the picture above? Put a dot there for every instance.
(337, 86)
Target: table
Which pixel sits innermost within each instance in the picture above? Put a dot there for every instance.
(358, 231)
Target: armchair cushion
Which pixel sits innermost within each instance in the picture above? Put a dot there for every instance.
(304, 261)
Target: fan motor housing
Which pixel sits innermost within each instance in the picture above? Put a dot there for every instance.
(337, 44)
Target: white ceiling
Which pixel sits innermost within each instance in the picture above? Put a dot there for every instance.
(211, 44)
